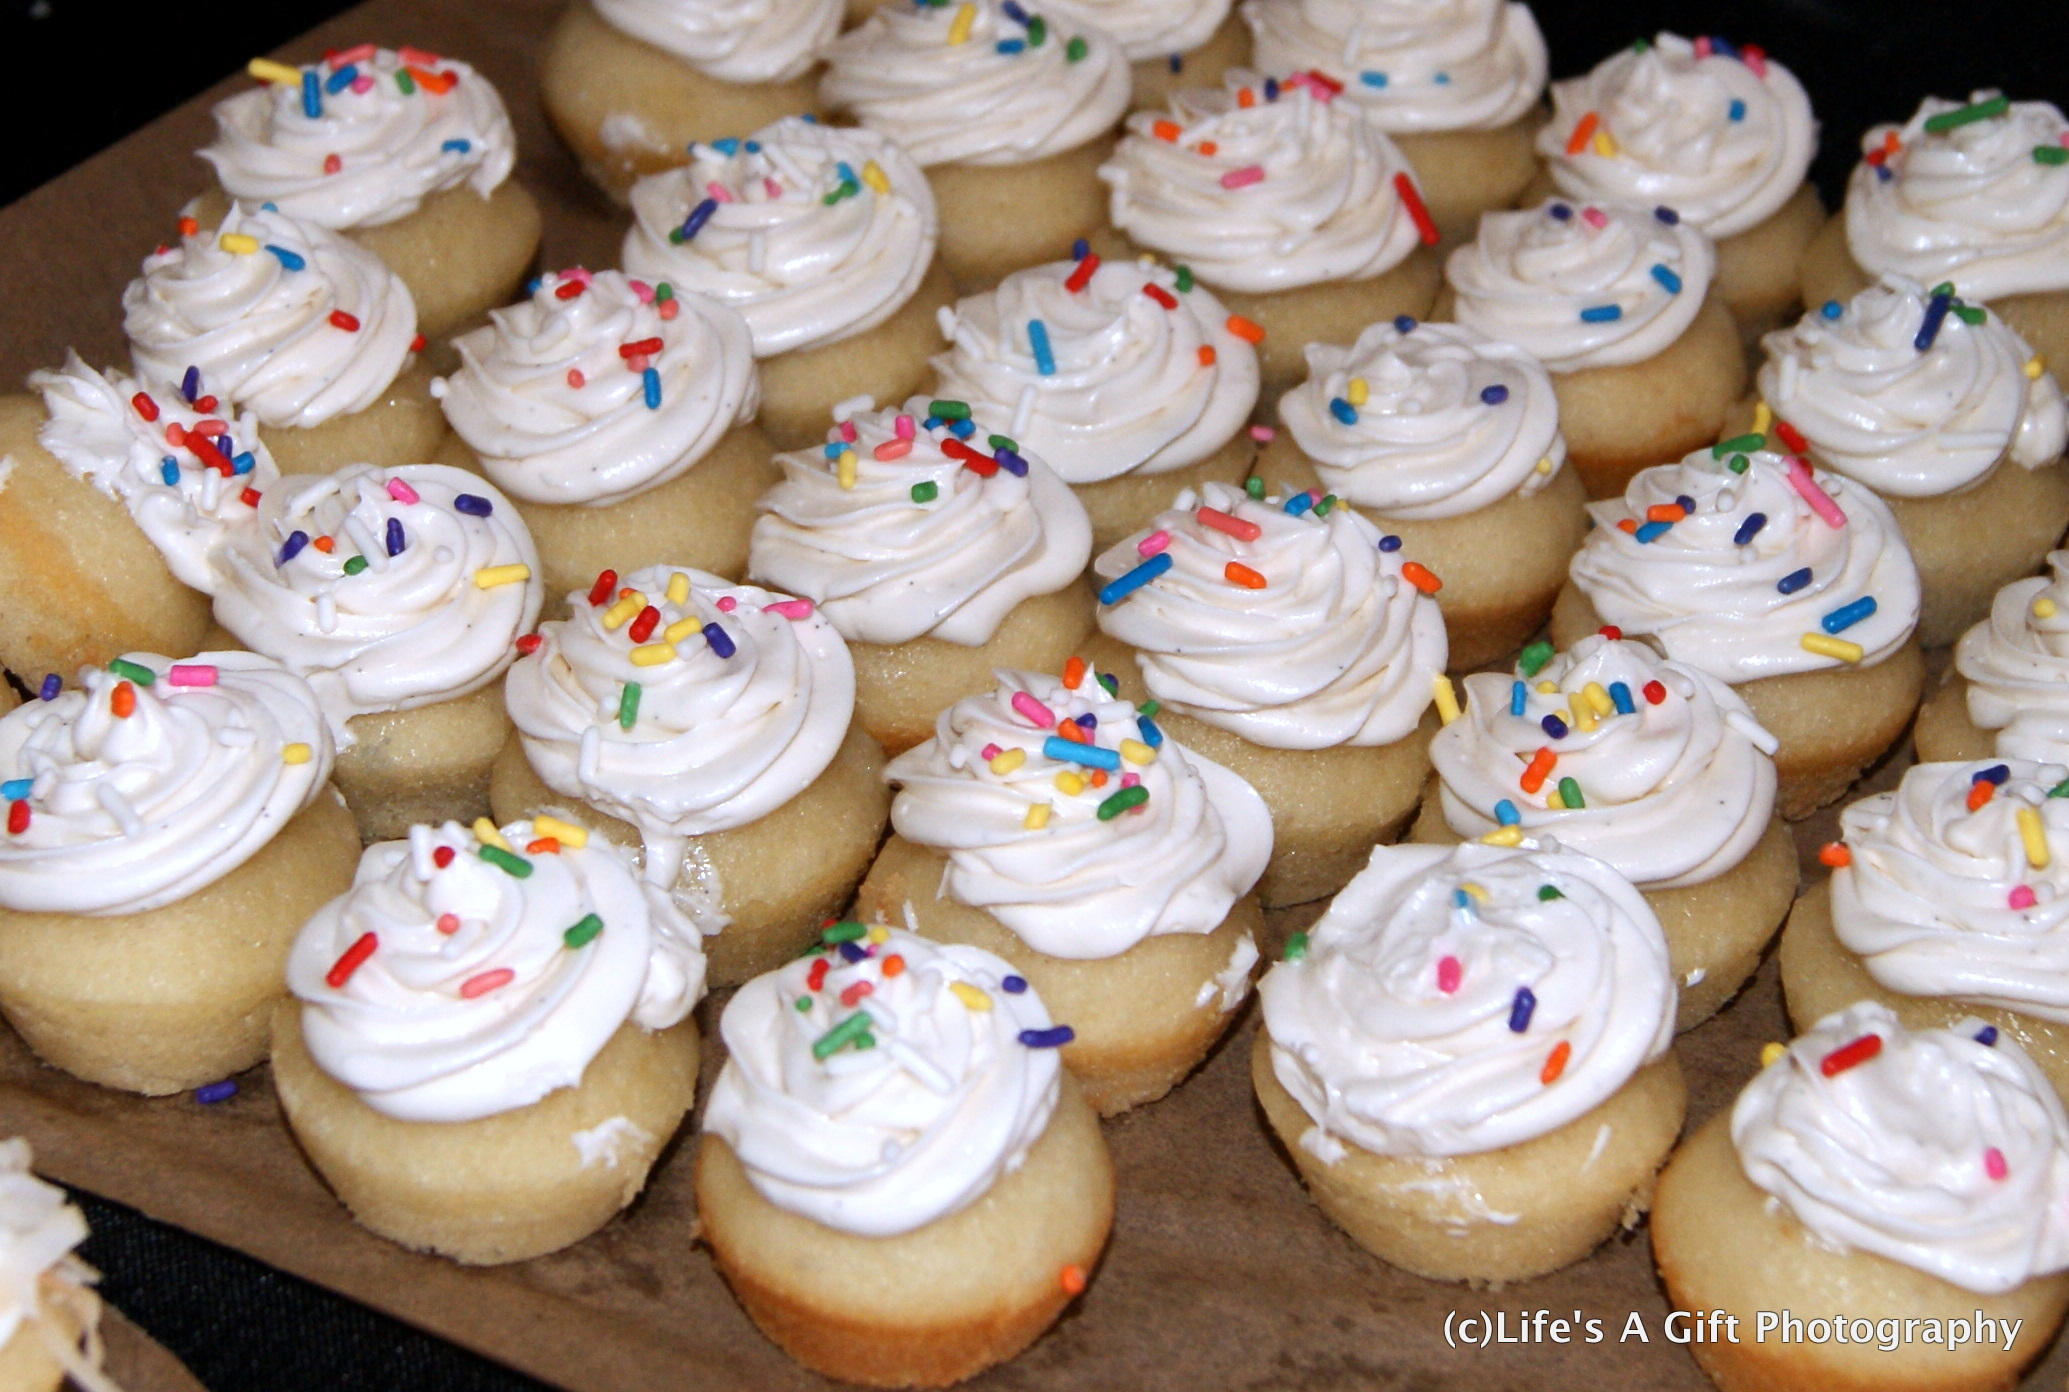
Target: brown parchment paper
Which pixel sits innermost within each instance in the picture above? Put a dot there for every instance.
(136, 1363)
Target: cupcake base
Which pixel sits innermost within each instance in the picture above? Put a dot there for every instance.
(933, 1306)
(26, 1362)
(429, 764)
(1757, 269)
(1119, 506)
(1157, 78)
(887, 364)
(403, 427)
(1335, 311)
(1944, 731)
(1053, 202)
(2021, 511)
(1465, 173)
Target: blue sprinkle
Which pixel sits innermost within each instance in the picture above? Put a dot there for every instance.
(1404, 323)
(1882, 172)
(931, 423)
(1373, 79)
(396, 541)
(962, 429)
(1271, 89)
(269, 207)
(1720, 45)
(1080, 249)
(1554, 727)
(473, 504)
(1620, 696)
(456, 147)
(1847, 615)
(1390, 543)
(852, 952)
(1831, 309)
(1995, 774)
(1014, 12)
(1519, 698)
(753, 147)
(1505, 812)
(650, 382)
(1071, 752)
(1177, 62)
(1524, 1007)
(1048, 1038)
(1010, 462)
(1935, 315)
(1793, 581)
(291, 260)
(1494, 395)
(531, 287)
(341, 79)
(1461, 900)
(15, 789)
(1737, 110)
(292, 547)
(1121, 586)
(1651, 531)
(1011, 45)
(1343, 410)
(720, 640)
(1667, 279)
(243, 463)
(52, 685)
(169, 470)
(1442, 79)
(1666, 215)
(699, 215)
(834, 448)
(1151, 735)
(1560, 212)
(211, 1093)
(1602, 314)
(729, 147)
(1297, 504)
(846, 172)
(809, 119)
(1749, 528)
(190, 384)
(312, 95)
(1987, 1036)
(1038, 344)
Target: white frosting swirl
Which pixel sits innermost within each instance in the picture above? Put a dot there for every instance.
(548, 400)
(1971, 204)
(1717, 603)
(732, 40)
(823, 232)
(1452, 421)
(1911, 423)
(1410, 65)
(967, 100)
(1675, 791)
(128, 813)
(1335, 648)
(395, 139)
(1597, 286)
(484, 990)
(1398, 1029)
(1894, 1155)
(941, 1103)
(1298, 190)
(1077, 885)
(1149, 29)
(265, 325)
(1130, 386)
(887, 567)
(2016, 663)
(370, 627)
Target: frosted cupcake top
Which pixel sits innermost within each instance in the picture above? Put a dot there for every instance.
(813, 233)
(1422, 421)
(1652, 766)
(1289, 622)
(467, 973)
(1597, 285)
(1465, 998)
(1262, 187)
(899, 530)
(1454, 65)
(39, 1227)
(153, 779)
(1722, 135)
(1102, 369)
(361, 138)
(884, 1081)
(1083, 843)
(2016, 663)
(1969, 192)
(739, 41)
(1942, 1149)
(1745, 563)
(280, 318)
(386, 589)
(983, 82)
(599, 387)
(1147, 29)
(1911, 391)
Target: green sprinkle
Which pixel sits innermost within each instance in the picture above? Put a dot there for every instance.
(864, 1040)
(2060, 789)
(664, 291)
(628, 705)
(584, 932)
(1974, 314)
(842, 1034)
(1532, 659)
(1547, 893)
(1185, 277)
(1967, 115)
(1569, 793)
(516, 866)
(1003, 442)
(1737, 444)
(949, 410)
(1739, 464)
(925, 492)
(1254, 486)
(1111, 682)
(1149, 708)
(848, 189)
(1123, 800)
(122, 667)
(1640, 45)
(1322, 508)
(1296, 947)
(406, 83)
(803, 1005)
(845, 931)
(354, 564)
(2050, 154)
(1945, 287)
(1037, 30)
(1075, 50)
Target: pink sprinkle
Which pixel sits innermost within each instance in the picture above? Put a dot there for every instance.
(401, 492)
(902, 427)
(448, 924)
(1993, 1163)
(1033, 711)
(1153, 543)
(1263, 434)
(488, 981)
(771, 187)
(1755, 61)
(788, 609)
(191, 674)
(668, 309)
(1129, 780)
(1449, 973)
(638, 363)
(989, 752)
(1244, 177)
(579, 274)
(1593, 217)
(358, 53)
(2021, 897)
(575, 378)
(1702, 46)
(719, 191)
(1820, 501)
(2063, 139)
(848, 431)
(361, 85)
(893, 449)
(727, 604)
(642, 290)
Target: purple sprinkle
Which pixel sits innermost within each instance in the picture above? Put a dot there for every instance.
(190, 385)
(699, 215)
(1012, 985)
(1054, 1038)
(52, 685)
(1404, 323)
(1686, 504)
(1494, 395)
(1010, 462)
(1390, 543)
(853, 952)
(1987, 1036)
(473, 504)
(1560, 211)
(1995, 774)
(216, 1092)
(1521, 1011)
(1666, 215)
(395, 539)
(292, 547)
(720, 640)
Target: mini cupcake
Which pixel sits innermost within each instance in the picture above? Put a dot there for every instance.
(1450, 441)
(1297, 211)
(1458, 86)
(399, 594)
(619, 418)
(1791, 584)
(1653, 767)
(169, 826)
(294, 324)
(1002, 110)
(1616, 301)
(1124, 377)
(1468, 1058)
(1168, 46)
(706, 723)
(1931, 403)
(895, 1178)
(938, 562)
(822, 237)
(629, 83)
(492, 1041)
(1910, 1186)
(1970, 193)
(2009, 691)
(1722, 135)
(49, 1314)
(1111, 867)
(406, 152)
(1283, 640)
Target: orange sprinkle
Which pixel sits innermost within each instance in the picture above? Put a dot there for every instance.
(1239, 574)
(1209, 148)
(1980, 792)
(1244, 329)
(1627, 524)
(188, 227)
(1165, 130)
(1556, 1064)
(1537, 770)
(324, 544)
(1664, 512)
(893, 965)
(1418, 575)
(122, 700)
(1582, 130)
(1072, 731)
(1072, 1279)
(1207, 355)
(1098, 778)
(1245, 98)
(545, 845)
(1074, 673)
(1835, 854)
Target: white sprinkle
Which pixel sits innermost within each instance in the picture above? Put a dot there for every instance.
(844, 411)
(327, 612)
(586, 755)
(944, 318)
(362, 537)
(117, 806)
(312, 495)
(1023, 410)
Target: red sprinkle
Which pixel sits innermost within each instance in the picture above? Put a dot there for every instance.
(1223, 522)
(643, 626)
(1654, 693)
(1072, 1279)
(606, 582)
(416, 345)
(1791, 436)
(1611, 632)
(1835, 855)
(332, 164)
(1850, 1055)
(341, 320)
(421, 57)
(1166, 131)
(448, 924)
(545, 845)
(856, 991)
(528, 643)
(207, 403)
(488, 981)
(205, 450)
(249, 497)
(1160, 295)
(17, 817)
(353, 959)
(816, 977)
(187, 226)
(145, 406)
(1411, 199)
(645, 347)
(1078, 278)
(567, 290)
(442, 856)
(982, 465)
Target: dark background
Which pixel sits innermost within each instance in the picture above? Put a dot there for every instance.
(242, 1327)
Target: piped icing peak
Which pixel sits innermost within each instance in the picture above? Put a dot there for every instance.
(741, 41)
(1149, 29)
(2016, 663)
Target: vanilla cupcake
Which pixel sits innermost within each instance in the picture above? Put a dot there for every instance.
(2009, 691)
(1124, 377)
(937, 561)
(1111, 867)
(1791, 584)
(1284, 639)
(49, 1314)
(822, 237)
(293, 324)
(1002, 108)
(1168, 45)
(1297, 211)
(1653, 767)
(492, 1041)
(1468, 1058)
(896, 1179)
(629, 83)
(1615, 300)
(1459, 86)
(1909, 1185)
(706, 723)
(406, 152)
(399, 594)
(1931, 403)
(1450, 441)
(169, 826)
(619, 418)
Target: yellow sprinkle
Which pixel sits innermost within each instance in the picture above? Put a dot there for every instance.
(1544, 466)
(2034, 835)
(1598, 697)
(844, 468)
(294, 753)
(237, 244)
(489, 577)
(959, 27)
(1356, 392)
(879, 934)
(266, 70)
(1136, 752)
(678, 588)
(2035, 365)
(1604, 145)
(1579, 713)
(1070, 784)
(1037, 817)
(1503, 836)
(2043, 608)
(1006, 760)
(615, 616)
(1771, 1051)
(1446, 698)
(1479, 894)
(1553, 801)
(567, 833)
(1762, 417)
(680, 629)
(485, 832)
(970, 996)
(1825, 646)
(1548, 688)
(653, 654)
(873, 175)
